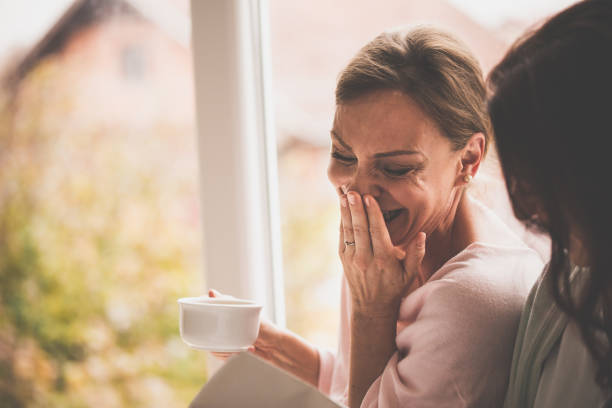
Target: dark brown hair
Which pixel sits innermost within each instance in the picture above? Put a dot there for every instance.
(550, 108)
(436, 70)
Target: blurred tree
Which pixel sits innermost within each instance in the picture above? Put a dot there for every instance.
(99, 236)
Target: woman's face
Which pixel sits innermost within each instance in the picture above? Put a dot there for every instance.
(384, 145)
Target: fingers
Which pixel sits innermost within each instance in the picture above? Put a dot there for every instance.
(418, 248)
(379, 235)
(398, 253)
(341, 239)
(263, 353)
(347, 225)
(221, 355)
(213, 293)
(359, 219)
(415, 251)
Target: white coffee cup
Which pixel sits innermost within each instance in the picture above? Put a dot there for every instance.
(218, 324)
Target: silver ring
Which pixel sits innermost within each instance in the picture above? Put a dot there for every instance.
(347, 243)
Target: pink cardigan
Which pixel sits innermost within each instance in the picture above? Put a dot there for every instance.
(455, 334)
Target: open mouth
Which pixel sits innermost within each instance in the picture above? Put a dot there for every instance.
(391, 215)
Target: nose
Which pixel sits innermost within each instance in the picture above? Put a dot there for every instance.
(363, 183)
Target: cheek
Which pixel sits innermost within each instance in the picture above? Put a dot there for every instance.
(337, 174)
(416, 201)
(410, 193)
(417, 197)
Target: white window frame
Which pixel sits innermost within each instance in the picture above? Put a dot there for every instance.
(237, 152)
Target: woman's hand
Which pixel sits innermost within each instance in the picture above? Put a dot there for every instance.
(379, 275)
(282, 348)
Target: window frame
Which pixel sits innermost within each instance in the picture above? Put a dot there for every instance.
(238, 172)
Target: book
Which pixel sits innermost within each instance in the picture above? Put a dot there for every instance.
(246, 380)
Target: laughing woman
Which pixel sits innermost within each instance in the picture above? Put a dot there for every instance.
(433, 282)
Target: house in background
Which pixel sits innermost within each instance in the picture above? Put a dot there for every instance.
(123, 60)
(137, 48)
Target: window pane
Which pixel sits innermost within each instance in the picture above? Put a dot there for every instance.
(99, 206)
(311, 42)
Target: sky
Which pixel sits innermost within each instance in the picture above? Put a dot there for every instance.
(22, 22)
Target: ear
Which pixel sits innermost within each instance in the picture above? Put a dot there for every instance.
(471, 157)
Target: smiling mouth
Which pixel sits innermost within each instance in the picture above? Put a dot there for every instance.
(391, 215)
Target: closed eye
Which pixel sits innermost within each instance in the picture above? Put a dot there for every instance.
(398, 172)
(342, 158)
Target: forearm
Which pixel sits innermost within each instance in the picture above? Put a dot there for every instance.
(372, 345)
(293, 354)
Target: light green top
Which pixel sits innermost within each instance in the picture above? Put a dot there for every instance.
(551, 366)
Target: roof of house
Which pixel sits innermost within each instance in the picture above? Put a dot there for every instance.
(81, 13)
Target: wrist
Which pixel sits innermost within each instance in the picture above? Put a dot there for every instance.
(384, 311)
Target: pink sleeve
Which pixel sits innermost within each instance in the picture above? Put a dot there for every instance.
(333, 369)
(455, 348)
(326, 370)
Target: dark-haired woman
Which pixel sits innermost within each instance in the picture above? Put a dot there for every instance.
(550, 109)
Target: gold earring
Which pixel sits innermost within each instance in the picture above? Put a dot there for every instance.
(467, 178)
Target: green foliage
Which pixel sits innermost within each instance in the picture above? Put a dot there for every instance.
(310, 226)
(96, 245)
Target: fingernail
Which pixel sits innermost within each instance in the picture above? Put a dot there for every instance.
(422, 238)
(351, 199)
(344, 189)
(367, 201)
(343, 201)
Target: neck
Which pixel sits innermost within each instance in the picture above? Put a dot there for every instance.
(450, 237)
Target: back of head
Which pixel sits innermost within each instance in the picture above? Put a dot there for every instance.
(550, 109)
(436, 70)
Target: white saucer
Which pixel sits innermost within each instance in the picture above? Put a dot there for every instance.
(220, 350)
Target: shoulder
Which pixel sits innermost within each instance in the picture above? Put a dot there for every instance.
(482, 280)
(460, 326)
(568, 375)
(499, 261)
(494, 268)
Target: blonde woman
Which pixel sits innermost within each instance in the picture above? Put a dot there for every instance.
(434, 281)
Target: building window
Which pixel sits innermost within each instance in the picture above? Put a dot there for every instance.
(133, 62)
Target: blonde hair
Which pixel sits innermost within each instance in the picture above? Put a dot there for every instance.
(432, 67)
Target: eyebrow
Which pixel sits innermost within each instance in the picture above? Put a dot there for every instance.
(377, 155)
(339, 140)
